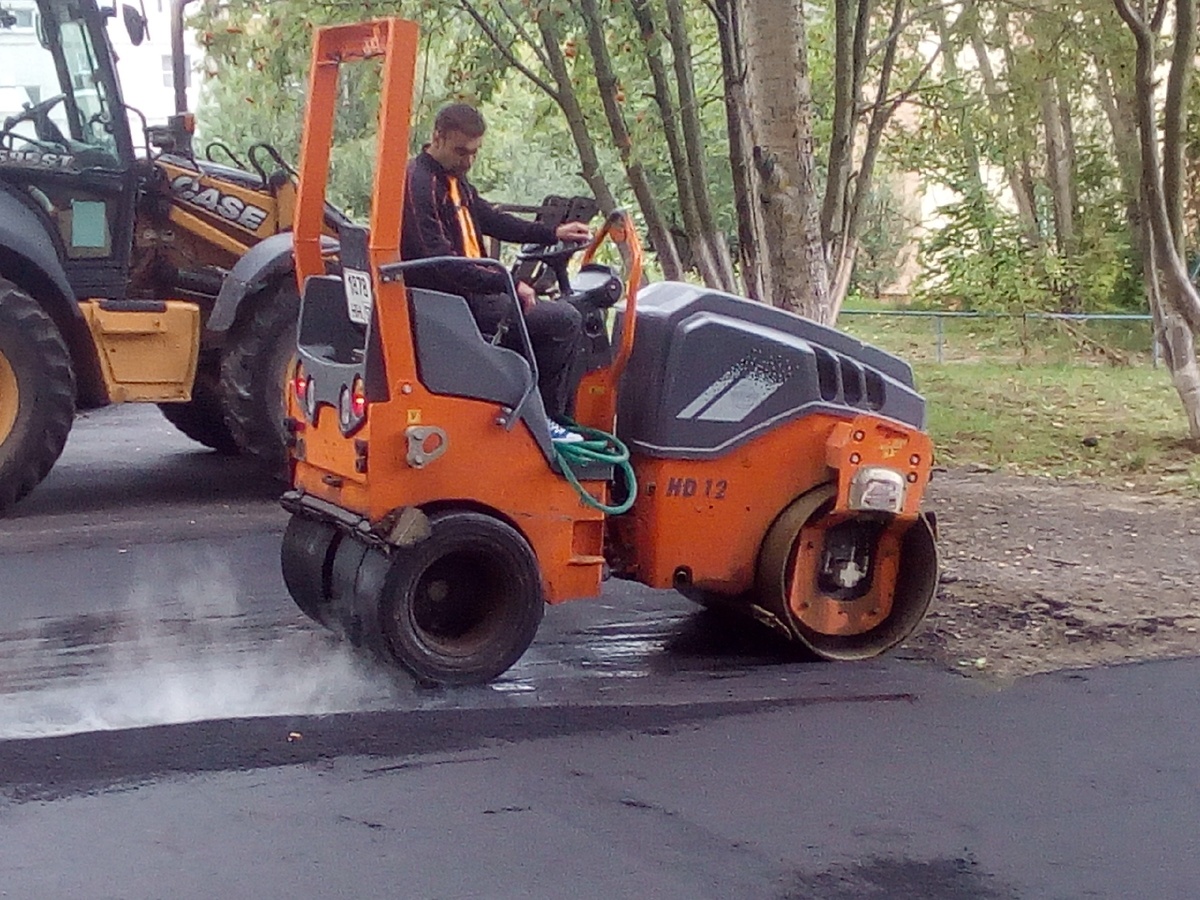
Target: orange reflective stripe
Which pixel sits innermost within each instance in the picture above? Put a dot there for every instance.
(466, 224)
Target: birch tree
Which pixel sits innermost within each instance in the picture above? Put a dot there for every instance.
(780, 124)
(1174, 302)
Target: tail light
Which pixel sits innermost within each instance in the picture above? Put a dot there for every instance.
(352, 406)
(306, 397)
(300, 385)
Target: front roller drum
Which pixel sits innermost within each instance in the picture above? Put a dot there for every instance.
(846, 587)
(464, 604)
(458, 607)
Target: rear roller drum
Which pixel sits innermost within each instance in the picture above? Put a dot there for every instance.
(307, 560)
(865, 583)
(463, 605)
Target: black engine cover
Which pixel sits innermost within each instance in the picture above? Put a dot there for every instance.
(710, 371)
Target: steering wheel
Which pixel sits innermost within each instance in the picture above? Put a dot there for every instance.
(554, 257)
(551, 254)
(39, 113)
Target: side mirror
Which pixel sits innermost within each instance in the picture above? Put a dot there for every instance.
(135, 24)
(7, 19)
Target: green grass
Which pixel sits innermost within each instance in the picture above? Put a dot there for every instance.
(1018, 340)
(1117, 425)
(1048, 406)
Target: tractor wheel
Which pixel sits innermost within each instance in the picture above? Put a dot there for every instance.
(306, 557)
(37, 394)
(464, 604)
(254, 373)
(202, 418)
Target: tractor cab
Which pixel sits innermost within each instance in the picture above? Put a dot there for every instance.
(71, 115)
(64, 138)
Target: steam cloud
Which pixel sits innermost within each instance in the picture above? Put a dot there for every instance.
(187, 647)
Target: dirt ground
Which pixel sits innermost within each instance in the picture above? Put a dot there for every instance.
(1040, 575)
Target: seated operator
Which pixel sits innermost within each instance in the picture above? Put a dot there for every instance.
(445, 216)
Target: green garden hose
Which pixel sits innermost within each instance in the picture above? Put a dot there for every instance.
(597, 447)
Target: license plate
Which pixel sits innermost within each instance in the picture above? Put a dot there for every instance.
(359, 299)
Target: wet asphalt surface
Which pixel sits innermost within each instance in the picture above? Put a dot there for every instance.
(170, 726)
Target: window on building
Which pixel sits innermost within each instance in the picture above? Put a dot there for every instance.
(168, 78)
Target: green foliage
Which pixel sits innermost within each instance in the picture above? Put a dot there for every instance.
(527, 154)
(979, 255)
(257, 67)
(976, 255)
(884, 234)
(977, 261)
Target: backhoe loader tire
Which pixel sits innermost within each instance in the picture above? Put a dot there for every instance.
(202, 418)
(37, 394)
(254, 368)
(463, 605)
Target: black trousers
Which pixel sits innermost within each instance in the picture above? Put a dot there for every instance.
(556, 332)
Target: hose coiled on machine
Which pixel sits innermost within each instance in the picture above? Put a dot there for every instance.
(597, 447)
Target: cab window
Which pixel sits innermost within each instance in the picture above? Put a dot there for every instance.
(91, 110)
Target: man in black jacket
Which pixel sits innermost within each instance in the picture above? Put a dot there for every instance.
(445, 216)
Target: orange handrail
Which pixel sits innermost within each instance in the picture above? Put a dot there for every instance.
(618, 228)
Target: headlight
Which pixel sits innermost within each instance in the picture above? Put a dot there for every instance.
(878, 489)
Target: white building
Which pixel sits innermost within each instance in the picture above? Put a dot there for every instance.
(27, 71)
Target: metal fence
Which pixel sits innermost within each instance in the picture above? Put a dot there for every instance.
(941, 318)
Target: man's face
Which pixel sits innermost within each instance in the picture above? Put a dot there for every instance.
(454, 150)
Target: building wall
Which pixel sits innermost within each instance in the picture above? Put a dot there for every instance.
(27, 73)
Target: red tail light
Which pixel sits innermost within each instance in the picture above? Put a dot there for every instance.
(352, 406)
(358, 399)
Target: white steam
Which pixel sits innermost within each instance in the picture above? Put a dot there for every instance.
(188, 646)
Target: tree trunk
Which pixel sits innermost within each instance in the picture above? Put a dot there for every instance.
(1178, 79)
(693, 142)
(665, 101)
(656, 226)
(737, 124)
(1177, 344)
(1119, 109)
(1179, 314)
(780, 98)
(562, 92)
(1058, 169)
(1020, 190)
(851, 19)
(846, 243)
(971, 186)
(1059, 178)
(568, 102)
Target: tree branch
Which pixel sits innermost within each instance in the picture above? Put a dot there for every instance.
(505, 48)
(519, 28)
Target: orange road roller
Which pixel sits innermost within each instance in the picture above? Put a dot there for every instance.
(737, 453)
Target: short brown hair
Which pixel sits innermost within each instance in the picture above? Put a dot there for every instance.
(460, 117)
